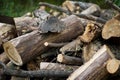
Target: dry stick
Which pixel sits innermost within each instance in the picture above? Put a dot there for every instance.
(90, 17)
(69, 59)
(37, 73)
(114, 6)
(54, 44)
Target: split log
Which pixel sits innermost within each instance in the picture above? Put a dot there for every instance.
(111, 28)
(75, 45)
(95, 68)
(69, 60)
(56, 66)
(32, 44)
(90, 49)
(91, 32)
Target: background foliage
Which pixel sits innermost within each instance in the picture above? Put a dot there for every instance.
(19, 7)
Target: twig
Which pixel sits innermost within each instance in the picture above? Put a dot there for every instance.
(114, 6)
(37, 73)
(54, 44)
(90, 17)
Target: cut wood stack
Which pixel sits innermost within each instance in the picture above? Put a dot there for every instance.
(75, 41)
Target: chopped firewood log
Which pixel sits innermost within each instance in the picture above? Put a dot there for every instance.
(56, 66)
(90, 49)
(113, 65)
(94, 10)
(95, 68)
(75, 45)
(112, 28)
(31, 45)
(91, 32)
(62, 58)
(69, 5)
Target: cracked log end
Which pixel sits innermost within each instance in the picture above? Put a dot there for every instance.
(111, 28)
(12, 53)
(112, 66)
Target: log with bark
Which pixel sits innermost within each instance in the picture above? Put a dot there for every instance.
(62, 58)
(56, 66)
(32, 44)
(95, 68)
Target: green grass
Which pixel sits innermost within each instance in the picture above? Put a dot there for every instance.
(20, 7)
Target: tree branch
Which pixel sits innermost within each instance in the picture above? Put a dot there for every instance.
(37, 73)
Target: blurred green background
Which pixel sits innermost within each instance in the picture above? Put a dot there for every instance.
(16, 8)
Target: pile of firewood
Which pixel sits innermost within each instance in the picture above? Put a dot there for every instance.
(74, 41)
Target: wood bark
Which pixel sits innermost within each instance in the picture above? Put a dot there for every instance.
(32, 44)
(56, 66)
(95, 68)
(69, 59)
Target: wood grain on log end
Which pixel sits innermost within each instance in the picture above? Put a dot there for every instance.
(111, 28)
(12, 53)
(112, 66)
